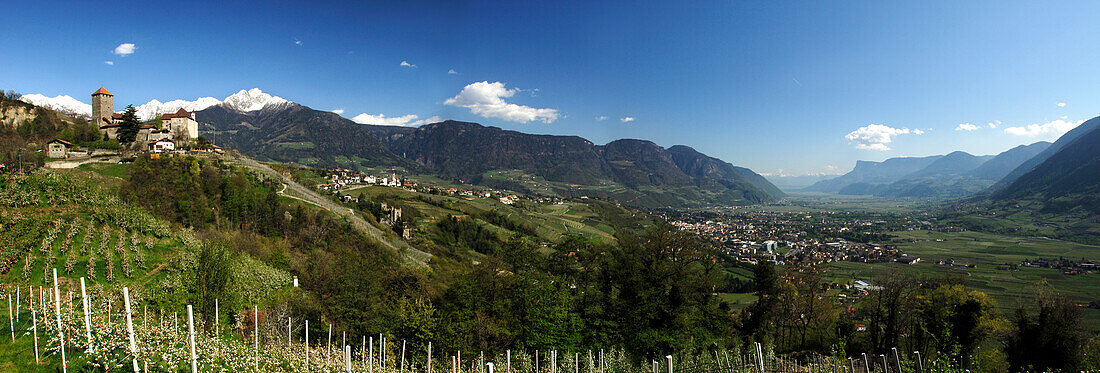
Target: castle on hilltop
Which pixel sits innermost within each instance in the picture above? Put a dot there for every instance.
(179, 127)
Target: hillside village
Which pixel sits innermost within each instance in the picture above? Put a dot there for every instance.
(106, 132)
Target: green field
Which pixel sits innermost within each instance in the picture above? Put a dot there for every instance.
(1011, 289)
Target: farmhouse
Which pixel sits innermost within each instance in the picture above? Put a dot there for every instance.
(58, 148)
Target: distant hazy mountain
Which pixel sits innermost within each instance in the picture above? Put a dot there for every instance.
(953, 175)
(870, 172)
(1066, 139)
(999, 167)
(946, 177)
(797, 183)
(1066, 180)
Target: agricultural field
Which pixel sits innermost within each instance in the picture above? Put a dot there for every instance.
(1011, 288)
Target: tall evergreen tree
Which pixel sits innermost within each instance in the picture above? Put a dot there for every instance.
(130, 125)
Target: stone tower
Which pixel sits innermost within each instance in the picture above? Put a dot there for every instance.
(103, 106)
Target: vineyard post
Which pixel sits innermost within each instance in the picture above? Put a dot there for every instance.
(851, 366)
(11, 320)
(256, 333)
(669, 358)
(307, 344)
(87, 316)
(347, 357)
(459, 360)
(490, 365)
(866, 365)
(885, 366)
(130, 328)
(108, 311)
(17, 303)
(402, 355)
(217, 320)
(576, 362)
(508, 361)
(759, 357)
(343, 340)
(370, 356)
(454, 367)
(60, 331)
(289, 338)
(897, 359)
(191, 338)
(34, 326)
(329, 347)
(363, 349)
(920, 364)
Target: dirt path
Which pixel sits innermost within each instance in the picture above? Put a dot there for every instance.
(296, 191)
(67, 164)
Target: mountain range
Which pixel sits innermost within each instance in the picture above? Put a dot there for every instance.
(638, 172)
(953, 175)
(245, 100)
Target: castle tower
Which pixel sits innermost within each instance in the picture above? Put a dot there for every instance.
(103, 106)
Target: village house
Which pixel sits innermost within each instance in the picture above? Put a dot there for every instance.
(58, 148)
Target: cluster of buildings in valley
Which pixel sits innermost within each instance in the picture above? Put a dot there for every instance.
(176, 129)
(1066, 265)
(339, 179)
(794, 238)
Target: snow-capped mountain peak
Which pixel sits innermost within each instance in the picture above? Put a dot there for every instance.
(252, 100)
(245, 100)
(61, 103)
(150, 109)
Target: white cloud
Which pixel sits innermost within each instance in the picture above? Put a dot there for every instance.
(487, 100)
(112, 63)
(875, 136)
(125, 49)
(966, 127)
(403, 121)
(297, 42)
(918, 132)
(1050, 129)
(601, 118)
(407, 64)
(1064, 117)
(338, 111)
(452, 72)
(994, 124)
(626, 119)
(1061, 104)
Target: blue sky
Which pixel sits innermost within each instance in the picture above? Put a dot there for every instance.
(792, 87)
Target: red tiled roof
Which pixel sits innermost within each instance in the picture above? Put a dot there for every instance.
(60, 141)
(181, 113)
(102, 91)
